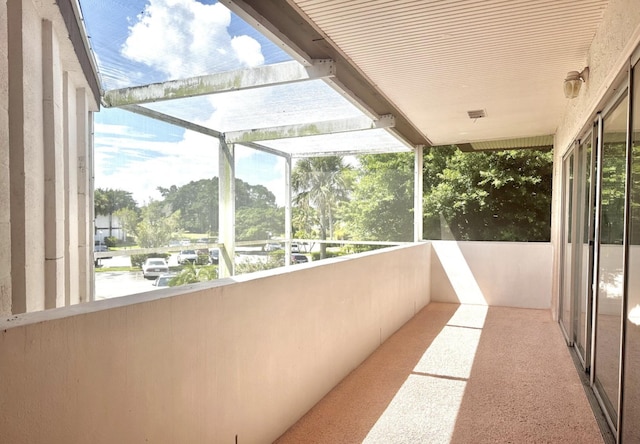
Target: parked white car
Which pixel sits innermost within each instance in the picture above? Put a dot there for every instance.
(154, 267)
(187, 256)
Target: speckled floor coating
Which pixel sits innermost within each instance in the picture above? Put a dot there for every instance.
(459, 374)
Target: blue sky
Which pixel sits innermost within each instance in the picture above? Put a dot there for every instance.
(140, 42)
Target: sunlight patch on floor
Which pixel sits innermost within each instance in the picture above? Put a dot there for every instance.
(425, 408)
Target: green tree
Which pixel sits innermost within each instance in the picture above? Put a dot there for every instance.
(258, 223)
(157, 225)
(381, 207)
(197, 202)
(321, 183)
(108, 201)
(129, 219)
(502, 195)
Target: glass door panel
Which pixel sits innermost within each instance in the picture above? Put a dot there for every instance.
(631, 387)
(611, 259)
(566, 253)
(584, 254)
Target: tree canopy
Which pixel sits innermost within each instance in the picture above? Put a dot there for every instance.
(500, 195)
(319, 184)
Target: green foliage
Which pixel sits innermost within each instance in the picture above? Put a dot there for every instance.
(197, 202)
(381, 207)
(129, 219)
(110, 241)
(259, 223)
(138, 259)
(192, 274)
(315, 255)
(108, 201)
(203, 258)
(273, 261)
(157, 225)
(503, 195)
(208, 273)
(320, 184)
(188, 275)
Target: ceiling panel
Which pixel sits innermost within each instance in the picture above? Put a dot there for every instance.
(438, 60)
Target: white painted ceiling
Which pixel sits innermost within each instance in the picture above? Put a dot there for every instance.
(437, 60)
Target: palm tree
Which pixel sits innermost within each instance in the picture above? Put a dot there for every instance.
(107, 202)
(320, 183)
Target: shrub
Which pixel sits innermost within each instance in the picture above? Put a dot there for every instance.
(315, 256)
(111, 241)
(203, 259)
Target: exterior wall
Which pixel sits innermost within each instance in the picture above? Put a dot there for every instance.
(607, 58)
(38, 191)
(513, 274)
(27, 159)
(5, 205)
(102, 227)
(238, 359)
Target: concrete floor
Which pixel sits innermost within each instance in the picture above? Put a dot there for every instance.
(459, 374)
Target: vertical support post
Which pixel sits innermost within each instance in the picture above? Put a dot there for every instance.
(5, 183)
(85, 200)
(54, 199)
(418, 186)
(227, 208)
(287, 210)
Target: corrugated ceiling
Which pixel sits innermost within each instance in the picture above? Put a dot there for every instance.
(437, 60)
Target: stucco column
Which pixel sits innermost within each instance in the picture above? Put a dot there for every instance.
(26, 159)
(84, 196)
(227, 208)
(5, 205)
(72, 217)
(54, 174)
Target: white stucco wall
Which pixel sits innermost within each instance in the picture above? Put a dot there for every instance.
(39, 170)
(5, 209)
(513, 274)
(242, 357)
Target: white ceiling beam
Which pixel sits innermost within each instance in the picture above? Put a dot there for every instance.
(309, 129)
(261, 76)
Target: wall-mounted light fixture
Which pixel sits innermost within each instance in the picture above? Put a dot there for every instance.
(573, 82)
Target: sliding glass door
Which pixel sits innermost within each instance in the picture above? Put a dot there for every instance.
(566, 302)
(610, 274)
(630, 424)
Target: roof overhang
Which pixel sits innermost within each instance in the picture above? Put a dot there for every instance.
(432, 65)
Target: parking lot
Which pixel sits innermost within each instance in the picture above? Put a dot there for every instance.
(112, 284)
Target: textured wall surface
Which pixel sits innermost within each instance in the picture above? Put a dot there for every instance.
(5, 210)
(511, 274)
(40, 150)
(607, 59)
(245, 356)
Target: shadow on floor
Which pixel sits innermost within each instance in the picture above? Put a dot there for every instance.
(458, 374)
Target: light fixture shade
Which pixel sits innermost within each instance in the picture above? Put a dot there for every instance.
(572, 88)
(572, 84)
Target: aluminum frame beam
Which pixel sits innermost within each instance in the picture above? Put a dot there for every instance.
(309, 129)
(288, 27)
(259, 77)
(172, 120)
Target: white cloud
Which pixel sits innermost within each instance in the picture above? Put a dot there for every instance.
(184, 38)
(141, 165)
(247, 50)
